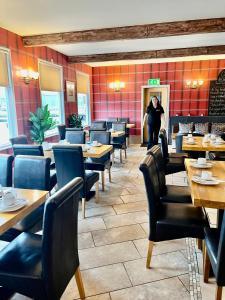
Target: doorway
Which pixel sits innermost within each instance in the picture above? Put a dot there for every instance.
(162, 92)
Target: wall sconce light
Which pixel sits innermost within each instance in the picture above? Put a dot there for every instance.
(117, 85)
(194, 84)
(28, 75)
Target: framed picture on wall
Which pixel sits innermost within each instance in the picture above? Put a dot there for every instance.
(70, 91)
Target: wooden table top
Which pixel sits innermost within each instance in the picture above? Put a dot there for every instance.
(96, 152)
(131, 125)
(206, 195)
(200, 146)
(34, 199)
(117, 133)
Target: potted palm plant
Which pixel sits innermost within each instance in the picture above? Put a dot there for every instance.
(41, 121)
(75, 120)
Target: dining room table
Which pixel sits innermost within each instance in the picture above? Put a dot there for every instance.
(200, 145)
(33, 198)
(130, 125)
(206, 195)
(117, 133)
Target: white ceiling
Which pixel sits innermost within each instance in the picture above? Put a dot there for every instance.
(27, 17)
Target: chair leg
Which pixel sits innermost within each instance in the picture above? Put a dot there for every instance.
(149, 255)
(80, 283)
(121, 158)
(97, 192)
(125, 151)
(199, 244)
(110, 175)
(113, 158)
(219, 290)
(206, 265)
(103, 180)
(83, 207)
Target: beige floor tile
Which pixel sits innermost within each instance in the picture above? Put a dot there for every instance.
(104, 201)
(134, 198)
(98, 212)
(166, 289)
(85, 240)
(160, 247)
(125, 219)
(185, 279)
(162, 266)
(145, 226)
(104, 279)
(106, 255)
(118, 234)
(130, 207)
(100, 297)
(86, 225)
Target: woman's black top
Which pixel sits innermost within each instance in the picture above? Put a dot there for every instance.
(154, 114)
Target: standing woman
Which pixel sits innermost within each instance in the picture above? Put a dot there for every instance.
(154, 113)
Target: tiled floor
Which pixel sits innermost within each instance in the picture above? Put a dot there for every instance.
(113, 245)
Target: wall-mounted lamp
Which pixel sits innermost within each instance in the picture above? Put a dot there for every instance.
(194, 84)
(28, 75)
(117, 85)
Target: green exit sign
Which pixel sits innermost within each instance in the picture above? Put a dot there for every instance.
(154, 81)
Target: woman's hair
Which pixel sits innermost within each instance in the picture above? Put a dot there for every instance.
(158, 103)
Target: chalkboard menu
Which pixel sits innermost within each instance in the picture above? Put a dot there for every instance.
(217, 96)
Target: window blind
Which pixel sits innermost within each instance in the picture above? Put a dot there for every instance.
(82, 83)
(50, 77)
(4, 76)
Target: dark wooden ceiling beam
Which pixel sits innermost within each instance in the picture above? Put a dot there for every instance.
(182, 52)
(129, 32)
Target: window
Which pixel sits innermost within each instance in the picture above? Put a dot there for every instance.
(8, 126)
(83, 105)
(52, 92)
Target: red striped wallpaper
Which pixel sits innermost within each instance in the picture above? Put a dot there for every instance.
(27, 97)
(127, 103)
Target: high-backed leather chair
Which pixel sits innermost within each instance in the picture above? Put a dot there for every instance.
(126, 120)
(40, 267)
(6, 162)
(110, 121)
(168, 221)
(70, 164)
(100, 164)
(120, 142)
(20, 139)
(173, 163)
(98, 125)
(62, 131)
(215, 256)
(168, 193)
(75, 137)
(30, 172)
(36, 150)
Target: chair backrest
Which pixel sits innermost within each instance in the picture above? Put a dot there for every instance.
(148, 168)
(74, 129)
(119, 126)
(125, 120)
(220, 275)
(34, 150)
(179, 141)
(60, 247)
(155, 151)
(69, 163)
(62, 131)
(98, 125)
(75, 137)
(6, 162)
(20, 139)
(102, 137)
(32, 172)
(164, 143)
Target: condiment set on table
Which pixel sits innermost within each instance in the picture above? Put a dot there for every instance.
(189, 139)
(9, 201)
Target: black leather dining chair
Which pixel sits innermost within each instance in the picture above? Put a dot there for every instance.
(168, 221)
(70, 164)
(103, 163)
(98, 125)
(40, 267)
(174, 162)
(215, 256)
(75, 137)
(126, 120)
(62, 131)
(168, 193)
(30, 172)
(120, 142)
(36, 150)
(6, 166)
(20, 139)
